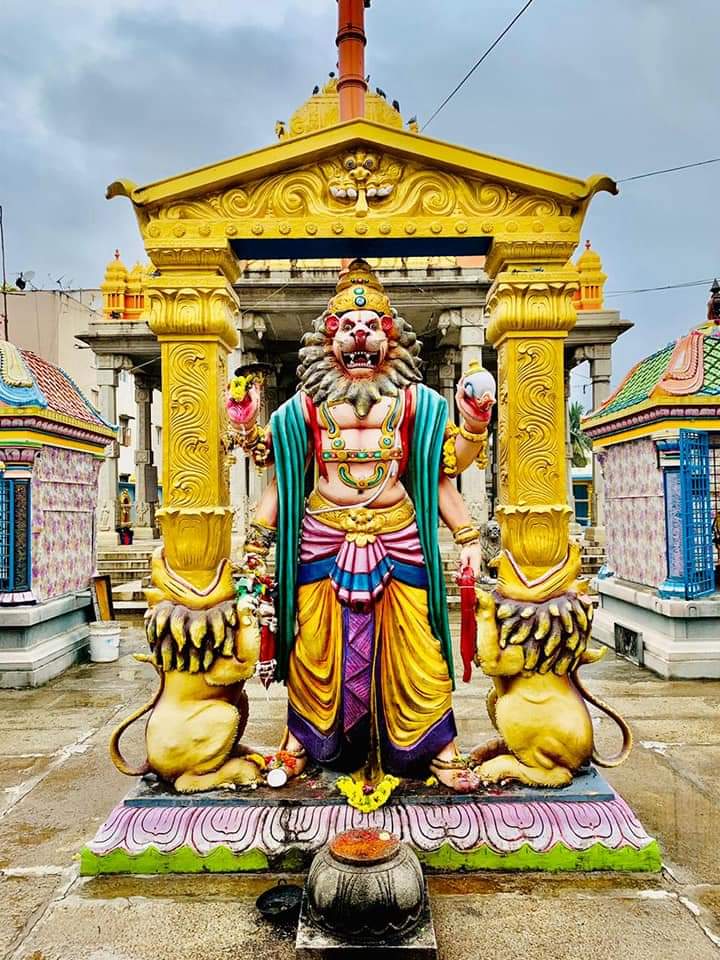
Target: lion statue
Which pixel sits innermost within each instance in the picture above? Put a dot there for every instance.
(538, 705)
(203, 658)
(490, 541)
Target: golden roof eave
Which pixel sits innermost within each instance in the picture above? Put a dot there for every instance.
(288, 154)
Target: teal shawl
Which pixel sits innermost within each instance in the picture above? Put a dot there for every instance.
(422, 479)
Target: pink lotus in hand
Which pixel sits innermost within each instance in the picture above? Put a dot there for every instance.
(243, 401)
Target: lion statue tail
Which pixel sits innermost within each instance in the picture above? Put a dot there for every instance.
(115, 754)
(627, 743)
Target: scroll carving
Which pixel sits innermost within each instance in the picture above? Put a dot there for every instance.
(414, 190)
(189, 425)
(539, 429)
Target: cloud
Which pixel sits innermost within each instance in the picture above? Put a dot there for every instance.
(142, 89)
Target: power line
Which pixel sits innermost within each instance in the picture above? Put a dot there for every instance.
(657, 173)
(667, 286)
(474, 68)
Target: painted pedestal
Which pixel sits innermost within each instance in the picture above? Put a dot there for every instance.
(585, 826)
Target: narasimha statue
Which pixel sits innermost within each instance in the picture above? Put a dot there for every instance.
(363, 640)
(364, 455)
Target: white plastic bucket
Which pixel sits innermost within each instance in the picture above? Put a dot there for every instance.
(104, 641)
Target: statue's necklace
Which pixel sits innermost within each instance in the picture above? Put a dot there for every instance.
(385, 453)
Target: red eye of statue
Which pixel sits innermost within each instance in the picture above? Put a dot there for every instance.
(387, 324)
(331, 325)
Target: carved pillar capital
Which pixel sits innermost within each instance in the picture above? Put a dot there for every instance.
(538, 301)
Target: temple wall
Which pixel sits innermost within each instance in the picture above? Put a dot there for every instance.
(635, 512)
(64, 495)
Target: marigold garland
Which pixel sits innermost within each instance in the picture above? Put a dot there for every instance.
(355, 792)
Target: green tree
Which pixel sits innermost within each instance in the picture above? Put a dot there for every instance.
(581, 445)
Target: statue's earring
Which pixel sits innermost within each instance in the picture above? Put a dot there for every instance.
(332, 324)
(388, 325)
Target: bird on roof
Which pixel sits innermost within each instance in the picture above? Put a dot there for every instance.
(396, 105)
(316, 89)
(381, 93)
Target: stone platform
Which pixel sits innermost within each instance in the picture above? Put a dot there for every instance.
(585, 826)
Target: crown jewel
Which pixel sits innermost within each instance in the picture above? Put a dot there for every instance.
(359, 289)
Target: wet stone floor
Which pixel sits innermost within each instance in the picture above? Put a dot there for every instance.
(57, 785)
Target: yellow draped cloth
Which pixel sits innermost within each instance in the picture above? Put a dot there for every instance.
(410, 695)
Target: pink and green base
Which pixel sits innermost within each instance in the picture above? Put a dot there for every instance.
(250, 834)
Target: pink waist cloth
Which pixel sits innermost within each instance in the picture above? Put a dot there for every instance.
(359, 573)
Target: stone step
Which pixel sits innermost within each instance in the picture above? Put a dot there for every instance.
(125, 553)
(124, 563)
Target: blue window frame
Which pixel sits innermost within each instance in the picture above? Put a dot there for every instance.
(14, 535)
(696, 513)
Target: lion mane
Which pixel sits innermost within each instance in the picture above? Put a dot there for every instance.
(322, 377)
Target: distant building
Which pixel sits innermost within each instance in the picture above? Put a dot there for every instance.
(657, 439)
(48, 322)
(52, 442)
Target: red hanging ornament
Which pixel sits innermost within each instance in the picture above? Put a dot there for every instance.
(468, 624)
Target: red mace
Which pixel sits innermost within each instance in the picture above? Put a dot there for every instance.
(468, 624)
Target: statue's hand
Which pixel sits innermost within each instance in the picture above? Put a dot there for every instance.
(471, 556)
(475, 397)
(243, 403)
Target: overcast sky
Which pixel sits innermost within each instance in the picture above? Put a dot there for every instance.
(141, 89)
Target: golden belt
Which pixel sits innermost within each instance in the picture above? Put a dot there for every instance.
(362, 520)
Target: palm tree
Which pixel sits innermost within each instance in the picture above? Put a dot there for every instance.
(581, 445)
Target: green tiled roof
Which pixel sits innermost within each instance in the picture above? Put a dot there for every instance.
(711, 383)
(641, 381)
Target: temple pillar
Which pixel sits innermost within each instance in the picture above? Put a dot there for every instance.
(447, 379)
(146, 486)
(600, 374)
(472, 338)
(192, 311)
(108, 368)
(531, 312)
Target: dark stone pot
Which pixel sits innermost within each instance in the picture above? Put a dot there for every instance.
(370, 897)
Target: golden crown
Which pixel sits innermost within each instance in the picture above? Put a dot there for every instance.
(359, 289)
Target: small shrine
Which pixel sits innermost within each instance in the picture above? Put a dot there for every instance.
(52, 442)
(353, 616)
(657, 439)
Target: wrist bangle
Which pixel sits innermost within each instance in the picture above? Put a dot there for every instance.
(258, 534)
(470, 436)
(466, 534)
(265, 525)
(256, 549)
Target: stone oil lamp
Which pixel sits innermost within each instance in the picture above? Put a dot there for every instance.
(365, 889)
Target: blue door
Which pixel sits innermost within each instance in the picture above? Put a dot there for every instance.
(696, 513)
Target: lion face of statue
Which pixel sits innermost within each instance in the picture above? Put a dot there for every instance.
(357, 357)
(360, 343)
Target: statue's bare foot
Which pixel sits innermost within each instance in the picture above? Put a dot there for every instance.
(289, 762)
(453, 772)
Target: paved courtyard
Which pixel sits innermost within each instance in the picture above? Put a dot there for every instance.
(57, 785)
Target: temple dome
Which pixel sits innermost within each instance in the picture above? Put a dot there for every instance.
(322, 110)
(589, 260)
(136, 278)
(116, 271)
